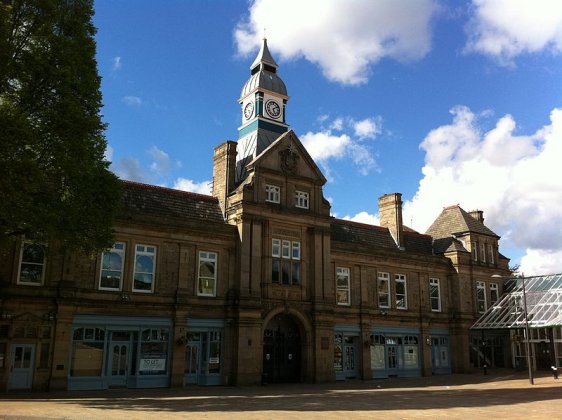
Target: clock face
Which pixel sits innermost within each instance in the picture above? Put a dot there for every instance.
(272, 108)
(248, 110)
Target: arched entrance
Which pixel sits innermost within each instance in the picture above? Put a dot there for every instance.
(282, 350)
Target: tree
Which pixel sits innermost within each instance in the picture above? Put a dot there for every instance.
(55, 185)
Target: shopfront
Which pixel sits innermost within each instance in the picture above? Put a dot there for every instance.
(113, 352)
(346, 351)
(204, 362)
(395, 352)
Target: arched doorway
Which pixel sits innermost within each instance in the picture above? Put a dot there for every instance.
(282, 350)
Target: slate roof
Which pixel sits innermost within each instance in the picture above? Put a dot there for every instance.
(168, 206)
(377, 236)
(453, 220)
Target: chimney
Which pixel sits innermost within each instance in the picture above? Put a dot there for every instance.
(477, 214)
(390, 212)
(224, 165)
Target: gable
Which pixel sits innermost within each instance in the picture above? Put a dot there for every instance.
(288, 156)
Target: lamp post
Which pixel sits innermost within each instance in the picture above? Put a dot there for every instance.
(527, 336)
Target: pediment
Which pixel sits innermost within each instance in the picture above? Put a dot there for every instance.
(288, 156)
(26, 318)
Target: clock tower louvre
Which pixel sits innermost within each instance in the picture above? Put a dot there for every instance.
(263, 102)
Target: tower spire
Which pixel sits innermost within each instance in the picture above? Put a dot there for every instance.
(264, 60)
(263, 99)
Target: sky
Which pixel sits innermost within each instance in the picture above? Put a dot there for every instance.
(447, 102)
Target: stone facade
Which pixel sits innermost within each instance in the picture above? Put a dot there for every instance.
(257, 283)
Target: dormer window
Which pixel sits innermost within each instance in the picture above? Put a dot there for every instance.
(272, 193)
(492, 256)
(301, 199)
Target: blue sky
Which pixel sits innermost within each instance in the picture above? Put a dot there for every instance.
(446, 102)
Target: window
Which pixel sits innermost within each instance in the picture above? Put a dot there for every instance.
(207, 285)
(111, 273)
(474, 246)
(343, 296)
(481, 296)
(492, 256)
(143, 277)
(285, 264)
(401, 296)
(435, 295)
(494, 293)
(272, 194)
(483, 252)
(87, 352)
(153, 351)
(301, 199)
(384, 290)
(32, 264)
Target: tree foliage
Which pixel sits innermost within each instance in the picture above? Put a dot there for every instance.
(54, 182)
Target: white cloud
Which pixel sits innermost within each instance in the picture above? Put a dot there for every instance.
(364, 217)
(343, 37)
(130, 169)
(117, 64)
(132, 100)
(161, 164)
(506, 28)
(185, 184)
(324, 145)
(368, 128)
(511, 177)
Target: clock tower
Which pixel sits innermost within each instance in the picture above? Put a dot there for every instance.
(263, 99)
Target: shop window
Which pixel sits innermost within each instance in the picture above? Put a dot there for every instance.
(145, 261)
(87, 352)
(207, 284)
(435, 295)
(343, 287)
(338, 352)
(32, 264)
(401, 291)
(301, 199)
(494, 293)
(285, 263)
(272, 194)
(377, 351)
(410, 352)
(481, 296)
(111, 273)
(153, 351)
(383, 286)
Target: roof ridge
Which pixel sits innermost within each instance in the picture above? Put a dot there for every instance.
(170, 190)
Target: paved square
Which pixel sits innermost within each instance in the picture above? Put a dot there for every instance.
(501, 394)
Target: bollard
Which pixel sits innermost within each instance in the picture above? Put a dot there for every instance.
(554, 372)
(485, 369)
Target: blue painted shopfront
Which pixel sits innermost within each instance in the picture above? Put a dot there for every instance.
(395, 352)
(110, 352)
(346, 351)
(440, 352)
(204, 362)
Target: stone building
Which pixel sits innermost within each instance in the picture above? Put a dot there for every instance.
(256, 283)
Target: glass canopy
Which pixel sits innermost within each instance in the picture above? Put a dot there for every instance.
(544, 304)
